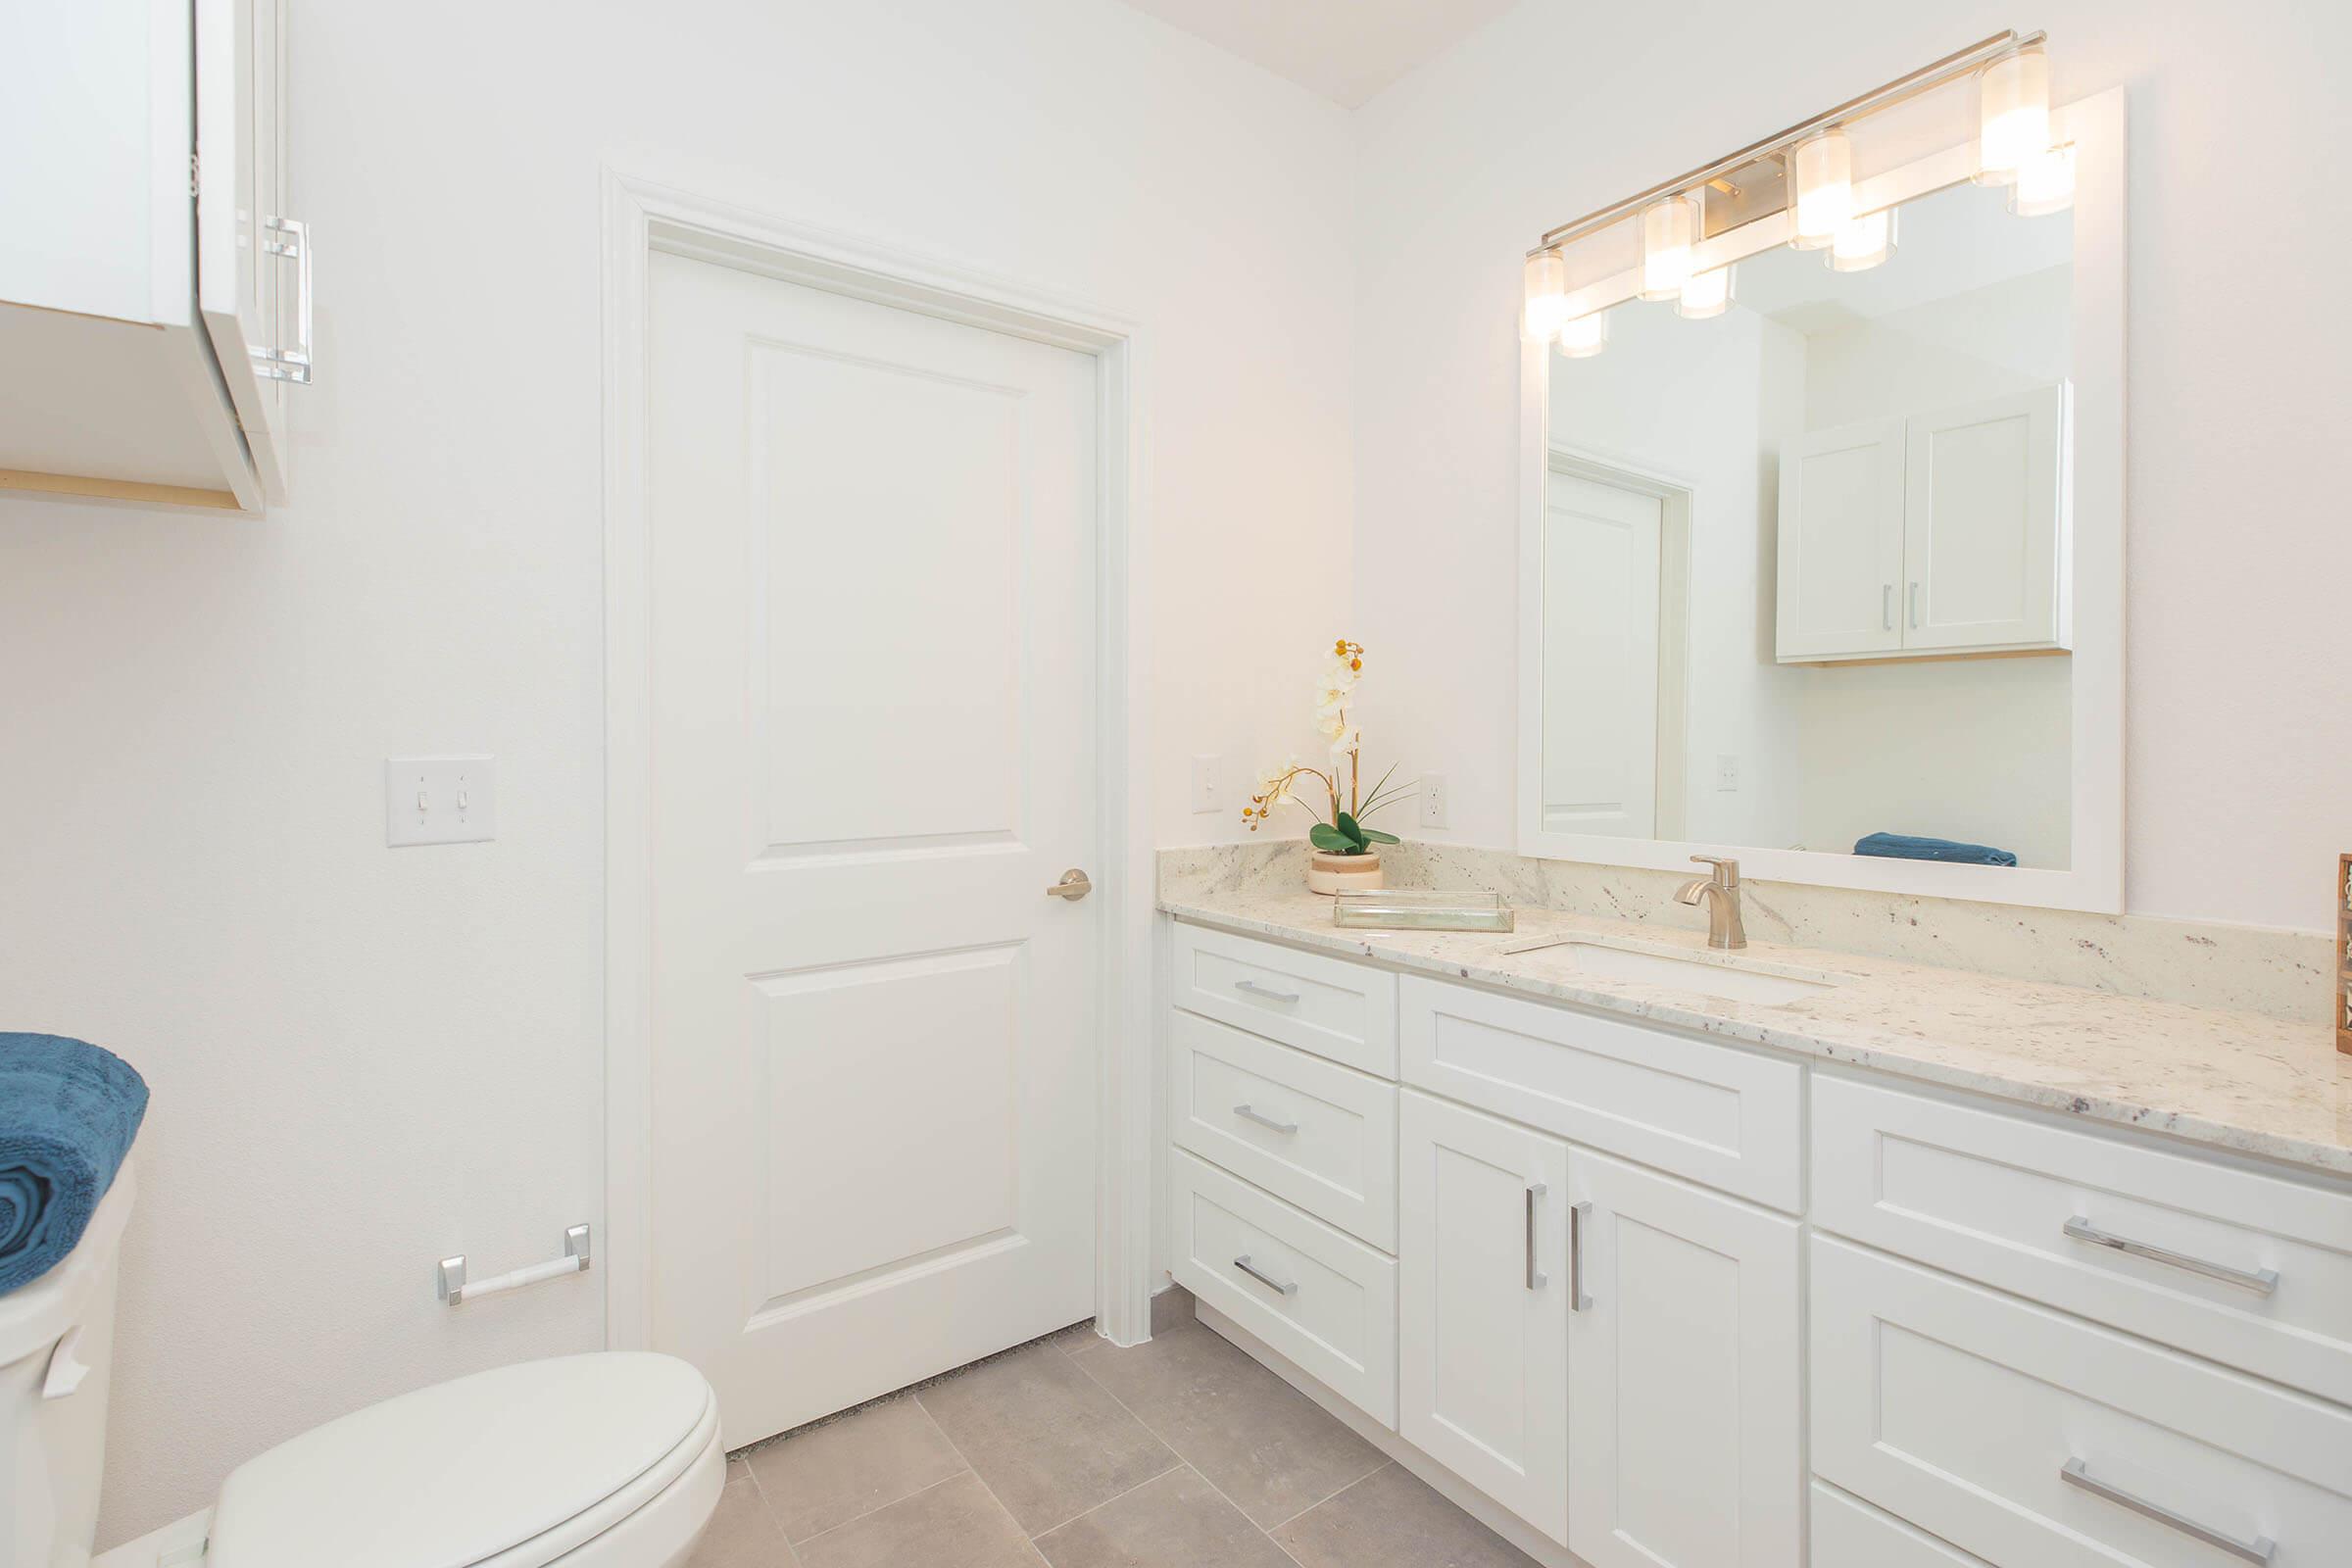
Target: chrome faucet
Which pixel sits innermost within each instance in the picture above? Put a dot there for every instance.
(1725, 928)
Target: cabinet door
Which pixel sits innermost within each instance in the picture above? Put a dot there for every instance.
(1683, 1389)
(1483, 1304)
(246, 292)
(1840, 542)
(1983, 532)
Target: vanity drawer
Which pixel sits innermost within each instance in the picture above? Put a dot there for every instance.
(1724, 1117)
(1320, 1135)
(1991, 1197)
(2027, 1436)
(1851, 1534)
(1346, 1011)
(1324, 1299)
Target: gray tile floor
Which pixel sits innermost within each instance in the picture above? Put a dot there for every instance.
(1180, 1453)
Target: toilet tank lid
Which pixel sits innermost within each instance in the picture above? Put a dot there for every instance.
(453, 1474)
(35, 1317)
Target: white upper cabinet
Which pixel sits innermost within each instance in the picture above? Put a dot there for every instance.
(1940, 534)
(154, 301)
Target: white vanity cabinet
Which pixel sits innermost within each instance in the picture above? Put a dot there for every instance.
(154, 303)
(1647, 1299)
(1939, 534)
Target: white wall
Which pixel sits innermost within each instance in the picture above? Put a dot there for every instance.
(2240, 700)
(364, 1059)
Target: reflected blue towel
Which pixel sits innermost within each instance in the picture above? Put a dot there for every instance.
(1903, 847)
(67, 1113)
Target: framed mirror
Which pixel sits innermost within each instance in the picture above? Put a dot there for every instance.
(1832, 578)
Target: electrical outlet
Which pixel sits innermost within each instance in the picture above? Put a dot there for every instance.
(1727, 772)
(1206, 794)
(440, 799)
(1433, 799)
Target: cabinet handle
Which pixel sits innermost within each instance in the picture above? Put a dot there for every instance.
(292, 240)
(1535, 1278)
(2262, 1282)
(1247, 1115)
(1914, 606)
(1578, 1300)
(1887, 607)
(2258, 1550)
(1269, 1281)
(1256, 990)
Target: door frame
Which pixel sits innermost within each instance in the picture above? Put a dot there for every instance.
(641, 218)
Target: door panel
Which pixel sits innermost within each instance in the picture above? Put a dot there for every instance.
(872, 572)
(1483, 1304)
(1842, 541)
(1983, 524)
(1600, 658)
(1683, 1389)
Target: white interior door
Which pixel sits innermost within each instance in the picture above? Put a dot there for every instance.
(1841, 542)
(873, 638)
(1683, 1387)
(1981, 530)
(1601, 657)
(1481, 1304)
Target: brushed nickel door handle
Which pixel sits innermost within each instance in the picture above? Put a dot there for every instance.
(1073, 886)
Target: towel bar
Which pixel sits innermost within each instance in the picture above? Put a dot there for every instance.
(451, 1286)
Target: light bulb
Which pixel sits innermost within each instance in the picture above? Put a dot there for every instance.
(1546, 280)
(1863, 242)
(1820, 172)
(2013, 108)
(1705, 294)
(1585, 335)
(2045, 184)
(1669, 229)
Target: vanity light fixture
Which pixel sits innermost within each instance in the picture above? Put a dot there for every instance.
(1585, 335)
(1863, 242)
(1669, 229)
(1821, 180)
(1546, 281)
(1705, 294)
(2045, 184)
(2013, 109)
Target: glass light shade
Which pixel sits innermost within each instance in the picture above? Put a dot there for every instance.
(1821, 174)
(1547, 276)
(1669, 229)
(1705, 294)
(1863, 242)
(1585, 335)
(2013, 108)
(2045, 184)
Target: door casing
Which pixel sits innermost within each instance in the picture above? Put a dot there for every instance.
(641, 218)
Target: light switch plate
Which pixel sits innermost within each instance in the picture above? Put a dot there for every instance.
(1727, 772)
(1207, 796)
(1433, 799)
(440, 799)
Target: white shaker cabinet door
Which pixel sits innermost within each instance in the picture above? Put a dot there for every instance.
(1985, 526)
(1683, 1413)
(1841, 542)
(1483, 1304)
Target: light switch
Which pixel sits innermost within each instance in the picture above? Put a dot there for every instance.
(440, 799)
(1207, 796)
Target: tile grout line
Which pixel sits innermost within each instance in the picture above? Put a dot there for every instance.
(969, 1469)
(786, 1533)
(1268, 1535)
(1385, 1462)
(1083, 1513)
(892, 1504)
(768, 1508)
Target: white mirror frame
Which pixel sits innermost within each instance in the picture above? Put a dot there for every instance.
(2095, 880)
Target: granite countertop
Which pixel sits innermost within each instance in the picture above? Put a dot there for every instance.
(2260, 1086)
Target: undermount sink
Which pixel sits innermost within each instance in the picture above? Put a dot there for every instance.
(1723, 980)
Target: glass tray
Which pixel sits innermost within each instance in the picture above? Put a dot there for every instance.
(1421, 909)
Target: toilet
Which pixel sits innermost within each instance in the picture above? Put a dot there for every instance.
(610, 1459)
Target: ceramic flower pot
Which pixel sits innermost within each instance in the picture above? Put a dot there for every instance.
(1330, 873)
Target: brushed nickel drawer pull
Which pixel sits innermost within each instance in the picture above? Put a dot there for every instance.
(1256, 990)
(2258, 1550)
(1578, 1300)
(1535, 1278)
(1268, 1280)
(2262, 1282)
(1268, 1122)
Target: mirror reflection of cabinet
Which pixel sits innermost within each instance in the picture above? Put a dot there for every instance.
(1940, 534)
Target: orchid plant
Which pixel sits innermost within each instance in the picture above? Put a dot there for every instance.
(1341, 830)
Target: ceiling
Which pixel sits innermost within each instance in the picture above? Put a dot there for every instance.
(1346, 50)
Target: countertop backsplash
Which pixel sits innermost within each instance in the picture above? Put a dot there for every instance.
(2279, 974)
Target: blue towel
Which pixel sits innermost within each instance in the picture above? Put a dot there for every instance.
(1903, 847)
(67, 1113)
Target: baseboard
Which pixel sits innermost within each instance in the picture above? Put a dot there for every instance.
(1452, 1487)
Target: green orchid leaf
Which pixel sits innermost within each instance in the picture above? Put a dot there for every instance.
(1350, 826)
(1378, 837)
(1323, 836)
